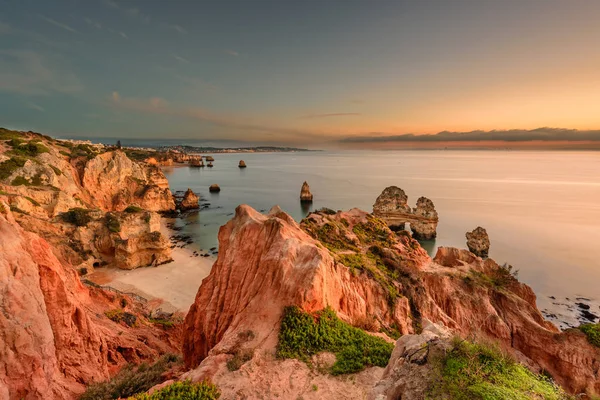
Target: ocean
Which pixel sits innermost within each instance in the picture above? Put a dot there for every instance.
(541, 208)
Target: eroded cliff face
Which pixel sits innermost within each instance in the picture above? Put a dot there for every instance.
(114, 182)
(54, 336)
(354, 264)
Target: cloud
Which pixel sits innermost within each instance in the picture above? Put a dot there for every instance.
(346, 114)
(93, 23)
(176, 27)
(181, 59)
(34, 106)
(159, 106)
(30, 73)
(231, 52)
(512, 135)
(58, 24)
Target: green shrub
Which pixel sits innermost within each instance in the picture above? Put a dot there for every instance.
(112, 223)
(20, 181)
(240, 357)
(134, 209)
(77, 216)
(302, 335)
(14, 208)
(31, 149)
(183, 391)
(592, 331)
(56, 170)
(6, 134)
(472, 371)
(131, 380)
(119, 315)
(9, 166)
(32, 201)
(15, 142)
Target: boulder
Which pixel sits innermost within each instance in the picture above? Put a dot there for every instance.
(478, 242)
(214, 188)
(305, 194)
(210, 165)
(197, 162)
(189, 201)
(210, 158)
(242, 164)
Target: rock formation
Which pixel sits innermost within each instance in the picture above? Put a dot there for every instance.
(242, 164)
(305, 194)
(478, 242)
(392, 206)
(210, 158)
(197, 162)
(210, 165)
(54, 336)
(189, 201)
(214, 188)
(351, 262)
(114, 182)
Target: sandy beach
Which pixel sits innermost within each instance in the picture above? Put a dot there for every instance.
(173, 285)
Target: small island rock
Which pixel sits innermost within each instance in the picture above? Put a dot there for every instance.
(210, 158)
(478, 242)
(190, 201)
(305, 194)
(214, 188)
(242, 164)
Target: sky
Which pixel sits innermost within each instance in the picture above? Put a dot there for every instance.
(297, 72)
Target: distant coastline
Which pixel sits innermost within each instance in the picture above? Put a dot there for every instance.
(252, 149)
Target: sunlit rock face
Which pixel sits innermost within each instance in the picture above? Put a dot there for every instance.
(305, 194)
(392, 206)
(478, 242)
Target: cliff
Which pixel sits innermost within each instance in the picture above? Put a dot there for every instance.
(54, 334)
(372, 278)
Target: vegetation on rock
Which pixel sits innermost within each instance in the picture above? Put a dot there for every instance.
(9, 166)
(472, 371)
(133, 209)
(77, 216)
(592, 331)
(303, 335)
(112, 223)
(183, 391)
(132, 380)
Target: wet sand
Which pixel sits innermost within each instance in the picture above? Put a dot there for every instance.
(175, 283)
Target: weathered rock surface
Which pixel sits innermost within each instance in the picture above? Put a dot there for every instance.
(305, 194)
(54, 337)
(267, 262)
(196, 162)
(242, 164)
(409, 373)
(392, 206)
(214, 188)
(114, 182)
(189, 201)
(478, 242)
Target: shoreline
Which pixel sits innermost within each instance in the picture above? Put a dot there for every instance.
(171, 287)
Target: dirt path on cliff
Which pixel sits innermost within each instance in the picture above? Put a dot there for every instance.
(175, 283)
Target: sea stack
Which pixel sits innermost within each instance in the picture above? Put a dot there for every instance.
(214, 188)
(209, 164)
(210, 158)
(189, 202)
(242, 164)
(197, 162)
(392, 207)
(478, 242)
(305, 194)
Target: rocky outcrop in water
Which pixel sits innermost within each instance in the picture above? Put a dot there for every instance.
(305, 194)
(392, 206)
(189, 201)
(478, 242)
(214, 188)
(242, 164)
(197, 162)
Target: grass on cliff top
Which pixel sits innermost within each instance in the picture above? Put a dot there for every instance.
(183, 391)
(592, 331)
(9, 166)
(303, 335)
(132, 380)
(33, 148)
(473, 371)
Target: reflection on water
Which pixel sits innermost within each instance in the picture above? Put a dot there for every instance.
(540, 209)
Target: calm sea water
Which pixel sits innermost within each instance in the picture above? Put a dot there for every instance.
(541, 209)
